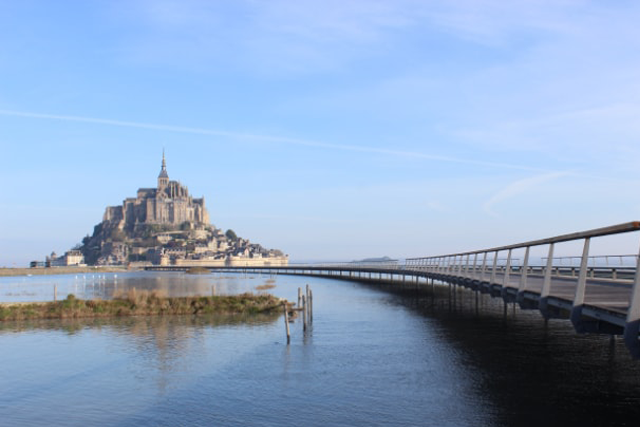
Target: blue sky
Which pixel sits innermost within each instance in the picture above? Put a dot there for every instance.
(328, 129)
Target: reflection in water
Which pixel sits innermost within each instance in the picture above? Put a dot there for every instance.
(535, 372)
(103, 286)
(112, 366)
(154, 327)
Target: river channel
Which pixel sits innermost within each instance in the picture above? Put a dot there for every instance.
(371, 358)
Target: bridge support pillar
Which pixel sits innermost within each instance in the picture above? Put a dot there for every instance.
(504, 292)
(543, 305)
(579, 323)
(522, 287)
(631, 339)
(632, 326)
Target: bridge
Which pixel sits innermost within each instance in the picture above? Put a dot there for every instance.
(599, 294)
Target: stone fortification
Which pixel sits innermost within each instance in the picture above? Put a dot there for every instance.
(167, 226)
(170, 204)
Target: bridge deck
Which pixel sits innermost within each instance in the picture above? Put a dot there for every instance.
(612, 295)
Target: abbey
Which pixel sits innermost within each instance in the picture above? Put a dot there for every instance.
(170, 203)
(166, 226)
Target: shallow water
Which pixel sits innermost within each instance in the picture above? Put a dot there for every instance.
(370, 358)
(105, 285)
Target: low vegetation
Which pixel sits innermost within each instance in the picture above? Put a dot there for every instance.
(198, 270)
(141, 303)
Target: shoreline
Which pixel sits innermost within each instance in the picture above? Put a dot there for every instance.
(50, 271)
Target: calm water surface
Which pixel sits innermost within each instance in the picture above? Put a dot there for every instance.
(105, 285)
(371, 358)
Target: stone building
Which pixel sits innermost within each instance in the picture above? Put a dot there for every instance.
(169, 203)
(73, 257)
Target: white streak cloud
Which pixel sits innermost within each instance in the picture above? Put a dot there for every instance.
(519, 187)
(265, 139)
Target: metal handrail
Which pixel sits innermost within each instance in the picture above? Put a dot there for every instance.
(595, 258)
(604, 231)
(393, 263)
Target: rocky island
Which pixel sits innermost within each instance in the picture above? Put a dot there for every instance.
(164, 226)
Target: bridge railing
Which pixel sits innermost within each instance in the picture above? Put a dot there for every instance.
(383, 265)
(613, 261)
(483, 265)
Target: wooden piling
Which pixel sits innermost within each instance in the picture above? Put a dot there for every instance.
(299, 298)
(286, 323)
(308, 302)
(55, 292)
(310, 306)
(304, 314)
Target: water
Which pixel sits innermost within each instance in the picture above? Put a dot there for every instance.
(370, 358)
(105, 285)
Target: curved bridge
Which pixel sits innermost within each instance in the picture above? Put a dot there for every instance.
(600, 294)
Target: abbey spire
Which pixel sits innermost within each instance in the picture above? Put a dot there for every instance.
(163, 178)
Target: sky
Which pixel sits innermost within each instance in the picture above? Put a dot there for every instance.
(333, 129)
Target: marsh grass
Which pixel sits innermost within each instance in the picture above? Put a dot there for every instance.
(135, 302)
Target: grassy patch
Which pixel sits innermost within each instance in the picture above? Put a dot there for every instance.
(141, 303)
(198, 270)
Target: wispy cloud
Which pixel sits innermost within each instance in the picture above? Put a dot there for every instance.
(493, 22)
(437, 206)
(326, 35)
(274, 37)
(577, 134)
(240, 136)
(519, 187)
(290, 218)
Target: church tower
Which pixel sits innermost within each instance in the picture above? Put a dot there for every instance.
(163, 178)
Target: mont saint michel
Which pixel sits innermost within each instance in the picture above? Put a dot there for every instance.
(165, 226)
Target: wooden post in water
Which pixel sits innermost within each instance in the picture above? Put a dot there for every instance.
(55, 293)
(308, 302)
(286, 323)
(310, 306)
(213, 290)
(304, 314)
(299, 297)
